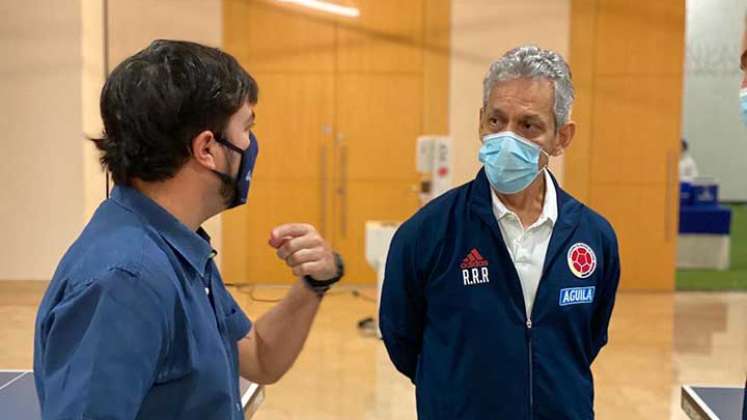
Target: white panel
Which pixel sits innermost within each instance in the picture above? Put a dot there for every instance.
(711, 122)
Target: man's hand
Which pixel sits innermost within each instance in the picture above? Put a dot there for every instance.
(304, 250)
(276, 338)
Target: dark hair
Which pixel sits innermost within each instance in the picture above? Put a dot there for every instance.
(154, 103)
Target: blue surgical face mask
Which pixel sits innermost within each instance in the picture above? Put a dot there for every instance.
(511, 161)
(743, 102)
(240, 184)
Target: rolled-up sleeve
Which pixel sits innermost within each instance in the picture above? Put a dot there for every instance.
(238, 324)
(102, 347)
(402, 310)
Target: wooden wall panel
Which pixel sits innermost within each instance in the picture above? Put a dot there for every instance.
(266, 37)
(577, 160)
(342, 102)
(378, 117)
(436, 50)
(627, 59)
(387, 37)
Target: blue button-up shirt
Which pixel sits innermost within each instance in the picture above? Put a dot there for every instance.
(137, 324)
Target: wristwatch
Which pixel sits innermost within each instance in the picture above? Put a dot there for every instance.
(321, 286)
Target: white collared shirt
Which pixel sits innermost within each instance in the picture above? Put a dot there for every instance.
(528, 247)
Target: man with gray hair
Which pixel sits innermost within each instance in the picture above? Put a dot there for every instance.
(498, 294)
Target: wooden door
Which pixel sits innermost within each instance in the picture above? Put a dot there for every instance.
(379, 116)
(623, 161)
(342, 102)
(295, 115)
(378, 121)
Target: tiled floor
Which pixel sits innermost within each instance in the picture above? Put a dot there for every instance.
(658, 341)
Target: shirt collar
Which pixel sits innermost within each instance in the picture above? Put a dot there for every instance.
(549, 207)
(193, 246)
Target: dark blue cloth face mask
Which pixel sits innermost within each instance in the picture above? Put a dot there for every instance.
(244, 176)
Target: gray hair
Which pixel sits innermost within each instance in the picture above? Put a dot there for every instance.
(534, 62)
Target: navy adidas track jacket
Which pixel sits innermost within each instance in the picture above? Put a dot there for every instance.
(453, 318)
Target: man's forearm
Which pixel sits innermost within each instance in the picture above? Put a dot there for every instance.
(276, 339)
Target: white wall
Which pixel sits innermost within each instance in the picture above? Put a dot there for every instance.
(481, 31)
(711, 122)
(50, 80)
(41, 199)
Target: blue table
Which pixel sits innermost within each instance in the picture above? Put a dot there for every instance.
(713, 403)
(18, 399)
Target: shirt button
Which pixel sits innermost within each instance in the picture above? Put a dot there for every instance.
(238, 406)
(207, 291)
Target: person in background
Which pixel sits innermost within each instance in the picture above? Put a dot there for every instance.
(743, 67)
(688, 168)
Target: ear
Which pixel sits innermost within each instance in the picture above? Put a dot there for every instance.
(565, 136)
(203, 146)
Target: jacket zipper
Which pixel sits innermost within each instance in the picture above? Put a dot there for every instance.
(531, 368)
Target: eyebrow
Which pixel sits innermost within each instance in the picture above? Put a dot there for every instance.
(533, 118)
(496, 111)
(527, 116)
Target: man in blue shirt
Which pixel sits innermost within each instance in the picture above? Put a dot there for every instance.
(498, 294)
(136, 323)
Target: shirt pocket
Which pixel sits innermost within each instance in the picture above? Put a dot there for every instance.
(237, 324)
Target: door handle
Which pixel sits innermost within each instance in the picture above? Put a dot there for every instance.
(323, 188)
(342, 189)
